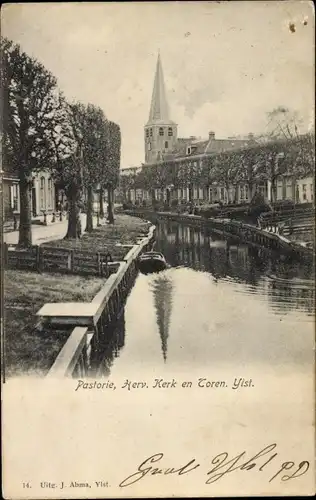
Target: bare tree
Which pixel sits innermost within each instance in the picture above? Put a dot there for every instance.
(94, 148)
(283, 123)
(110, 177)
(31, 106)
(68, 167)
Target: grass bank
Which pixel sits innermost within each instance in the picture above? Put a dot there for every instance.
(27, 350)
(125, 231)
(33, 351)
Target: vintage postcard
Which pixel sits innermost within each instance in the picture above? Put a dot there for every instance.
(157, 252)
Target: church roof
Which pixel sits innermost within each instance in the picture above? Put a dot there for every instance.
(222, 145)
(159, 111)
(208, 146)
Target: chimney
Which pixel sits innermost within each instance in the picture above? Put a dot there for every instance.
(250, 136)
(211, 135)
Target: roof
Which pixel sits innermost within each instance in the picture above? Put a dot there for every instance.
(208, 146)
(221, 145)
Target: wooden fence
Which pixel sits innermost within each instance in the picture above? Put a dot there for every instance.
(61, 260)
(84, 346)
(290, 222)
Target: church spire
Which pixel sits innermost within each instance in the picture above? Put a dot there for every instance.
(160, 133)
(159, 111)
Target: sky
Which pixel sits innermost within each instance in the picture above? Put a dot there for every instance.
(226, 64)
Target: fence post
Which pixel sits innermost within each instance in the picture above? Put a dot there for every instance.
(71, 260)
(5, 254)
(99, 264)
(39, 259)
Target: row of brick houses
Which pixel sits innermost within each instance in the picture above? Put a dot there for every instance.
(174, 167)
(287, 187)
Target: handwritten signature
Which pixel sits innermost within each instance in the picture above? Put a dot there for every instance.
(222, 465)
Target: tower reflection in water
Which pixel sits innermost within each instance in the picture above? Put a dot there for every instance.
(162, 289)
(284, 285)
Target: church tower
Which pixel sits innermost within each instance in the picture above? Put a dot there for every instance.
(160, 132)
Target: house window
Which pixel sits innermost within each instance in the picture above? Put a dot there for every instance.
(151, 132)
(222, 193)
(312, 192)
(188, 151)
(14, 197)
(246, 192)
(147, 132)
(170, 132)
(42, 193)
(289, 190)
(50, 193)
(149, 146)
(242, 192)
(166, 145)
(161, 131)
(304, 192)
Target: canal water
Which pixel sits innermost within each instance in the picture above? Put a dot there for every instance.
(222, 315)
(221, 305)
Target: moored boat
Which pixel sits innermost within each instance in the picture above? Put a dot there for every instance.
(151, 262)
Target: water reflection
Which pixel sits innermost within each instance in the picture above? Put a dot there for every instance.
(221, 302)
(287, 282)
(110, 349)
(162, 289)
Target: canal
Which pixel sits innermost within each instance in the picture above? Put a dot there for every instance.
(220, 307)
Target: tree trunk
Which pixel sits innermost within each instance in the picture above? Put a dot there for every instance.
(250, 189)
(153, 196)
(101, 193)
(74, 223)
(168, 195)
(191, 192)
(235, 200)
(226, 192)
(25, 229)
(110, 206)
(272, 190)
(294, 189)
(89, 223)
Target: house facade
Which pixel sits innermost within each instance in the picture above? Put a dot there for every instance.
(43, 195)
(11, 201)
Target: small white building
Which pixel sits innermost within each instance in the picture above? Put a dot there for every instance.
(43, 194)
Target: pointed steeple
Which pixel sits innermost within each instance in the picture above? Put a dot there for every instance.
(159, 112)
(160, 133)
